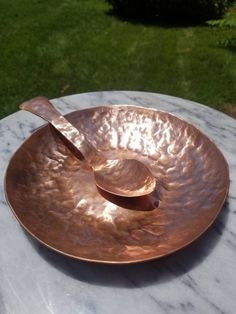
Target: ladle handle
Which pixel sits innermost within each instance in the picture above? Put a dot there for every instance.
(75, 139)
(42, 107)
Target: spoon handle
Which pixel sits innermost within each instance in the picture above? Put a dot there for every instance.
(75, 139)
(42, 107)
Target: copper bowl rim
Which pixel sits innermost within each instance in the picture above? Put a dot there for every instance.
(114, 262)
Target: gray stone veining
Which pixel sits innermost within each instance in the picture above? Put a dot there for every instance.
(199, 279)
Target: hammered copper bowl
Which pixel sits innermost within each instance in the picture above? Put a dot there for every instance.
(54, 196)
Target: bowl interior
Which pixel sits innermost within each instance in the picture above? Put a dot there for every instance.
(55, 198)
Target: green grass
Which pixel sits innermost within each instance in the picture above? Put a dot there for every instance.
(56, 48)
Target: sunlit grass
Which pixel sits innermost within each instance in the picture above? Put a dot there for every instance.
(55, 48)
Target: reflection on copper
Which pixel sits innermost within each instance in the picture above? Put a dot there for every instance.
(53, 194)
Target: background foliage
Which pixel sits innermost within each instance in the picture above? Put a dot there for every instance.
(56, 48)
(197, 10)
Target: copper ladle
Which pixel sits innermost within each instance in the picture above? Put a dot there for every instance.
(123, 177)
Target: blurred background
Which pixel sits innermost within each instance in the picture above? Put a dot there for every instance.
(55, 48)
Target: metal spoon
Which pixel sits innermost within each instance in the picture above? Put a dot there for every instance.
(123, 177)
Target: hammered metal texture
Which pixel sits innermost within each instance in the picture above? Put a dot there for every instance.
(55, 198)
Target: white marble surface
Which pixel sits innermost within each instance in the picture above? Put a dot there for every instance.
(198, 279)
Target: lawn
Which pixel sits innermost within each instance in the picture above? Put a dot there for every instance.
(56, 48)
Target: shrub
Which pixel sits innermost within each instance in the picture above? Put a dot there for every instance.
(197, 10)
(229, 22)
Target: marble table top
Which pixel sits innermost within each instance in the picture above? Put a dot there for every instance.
(198, 279)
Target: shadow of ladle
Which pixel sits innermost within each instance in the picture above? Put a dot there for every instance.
(140, 203)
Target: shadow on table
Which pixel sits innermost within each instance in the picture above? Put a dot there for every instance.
(3, 309)
(143, 274)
